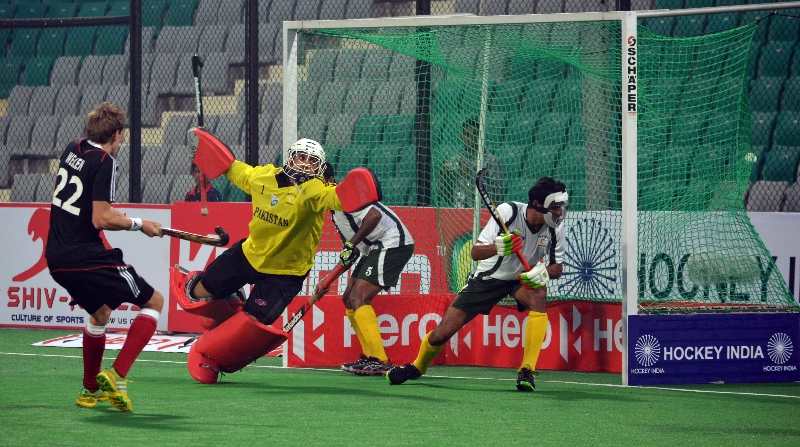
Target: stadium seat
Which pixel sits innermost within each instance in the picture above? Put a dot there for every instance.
(765, 93)
(775, 57)
(68, 100)
(30, 11)
(408, 99)
(332, 9)
(787, 129)
(269, 51)
(92, 96)
(276, 131)
(269, 155)
(359, 99)
(18, 137)
(19, 100)
(45, 130)
(348, 65)
(162, 74)
(766, 196)
(762, 126)
(176, 127)
(399, 130)
(279, 11)
(42, 101)
(212, 39)
(4, 123)
(111, 40)
(80, 41)
(65, 70)
(24, 42)
(92, 9)
(385, 99)
(179, 186)
(340, 130)
(323, 63)
(153, 12)
(181, 12)
(115, 70)
(154, 158)
(44, 190)
(272, 97)
(37, 71)
(313, 126)
(568, 97)
(780, 163)
(24, 187)
(553, 129)
(264, 124)
(120, 9)
(331, 97)
(235, 43)
(791, 203)
(722, 22)
(10, 70)
(231, 13)
(306, 10)
(660, 25)
(785, 25)
(398, 191)
(689, 26)
(791, 94)
(762, 17)
(51, 42)
(229, 129)
(155, 188)
(178, 39)
(215, 75)
(368, 131)
(178, 160)
(71, 127)
(121, 96)
(7, 11)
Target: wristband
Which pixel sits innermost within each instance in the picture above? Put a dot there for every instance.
(136, 224)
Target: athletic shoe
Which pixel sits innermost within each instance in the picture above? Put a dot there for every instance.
(117, 389)
(349, 366)
(88, 399)
(372, 367)
(399, 374)
(525, 381)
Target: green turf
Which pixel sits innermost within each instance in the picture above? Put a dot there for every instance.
(268, 405)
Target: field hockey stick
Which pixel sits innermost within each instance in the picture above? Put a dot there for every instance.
(495, 215)
(326, 282)
(197, 65)
(220, 241)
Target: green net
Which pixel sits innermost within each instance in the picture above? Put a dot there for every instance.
(425, 108)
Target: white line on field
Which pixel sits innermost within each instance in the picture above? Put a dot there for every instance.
(452, 377)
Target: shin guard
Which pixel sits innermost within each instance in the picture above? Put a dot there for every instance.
(215, 310)
(231, 346)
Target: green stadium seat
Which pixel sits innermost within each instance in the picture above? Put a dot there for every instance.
(722, 22)
(399, 191)
(785, 25)
(791, 94)
(369, 130)
(495, 129)
(568, 97)
(687, 26)
(383, 162)
(24, 42)
(787, 129)
(752, 62)
(120, 8)
(762, 17)
(10, 69)
(522, 129)
(780, 164)
(762, 126)
(80, 41)
(506, 96)
(181, 12)
(350, 158)
(660, 25)
(5, 36)
(775, 57)
(553, 129)
(668, 4)
(8, 11)
(111, 40)
(37, 71)
(538, 97)
(153, 13)
(62, 11)
(51, 42)
(92, 9)
(399, 130)
(765, 93)
(30, 11)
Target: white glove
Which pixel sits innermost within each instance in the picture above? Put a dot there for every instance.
(535, 277)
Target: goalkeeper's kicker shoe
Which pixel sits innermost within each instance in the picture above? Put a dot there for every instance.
(349, 366)
(400, 374)
(525, 380)
(116, 388)
(372, 367)
(88, 399)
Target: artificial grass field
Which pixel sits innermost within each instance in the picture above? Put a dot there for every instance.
(265, 404)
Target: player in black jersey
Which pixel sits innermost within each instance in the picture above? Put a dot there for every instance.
(97, 278)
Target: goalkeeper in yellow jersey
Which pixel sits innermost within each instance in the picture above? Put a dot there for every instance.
(289, 205)
(535, 231)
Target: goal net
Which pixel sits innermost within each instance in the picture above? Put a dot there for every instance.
(426, 106)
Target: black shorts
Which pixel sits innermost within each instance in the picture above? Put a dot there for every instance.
(102, 280)
(271, 293)
(383, 267)
(481, 295)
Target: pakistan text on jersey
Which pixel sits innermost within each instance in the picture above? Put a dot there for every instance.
(74, 162)
(266, 216)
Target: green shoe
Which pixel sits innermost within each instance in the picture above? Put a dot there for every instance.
(117, 389)
(88, 399)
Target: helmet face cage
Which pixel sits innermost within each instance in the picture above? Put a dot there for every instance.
(305, 160)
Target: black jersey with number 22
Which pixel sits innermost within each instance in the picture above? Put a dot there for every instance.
(85, 173)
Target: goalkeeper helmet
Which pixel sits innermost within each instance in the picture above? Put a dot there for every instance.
(552, 196)
(305, 160)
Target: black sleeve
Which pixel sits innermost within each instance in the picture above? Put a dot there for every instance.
(102, 186)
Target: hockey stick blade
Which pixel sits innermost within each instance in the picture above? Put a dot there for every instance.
(329, 278)
(220, 241)
(494, 213)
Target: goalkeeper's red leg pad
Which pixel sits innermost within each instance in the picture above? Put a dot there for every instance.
(210, 154)
(218, 310)
(359, 188)
(231, 346)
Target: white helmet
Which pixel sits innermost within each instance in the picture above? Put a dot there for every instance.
(305, 160)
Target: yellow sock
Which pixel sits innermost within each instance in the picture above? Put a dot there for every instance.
(534, 337)
(427, 353)
(351, 316)
(371, 339)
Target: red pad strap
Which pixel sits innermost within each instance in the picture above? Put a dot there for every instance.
(358, 189)
(210, 154)
(231, 346)
(217, 310)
